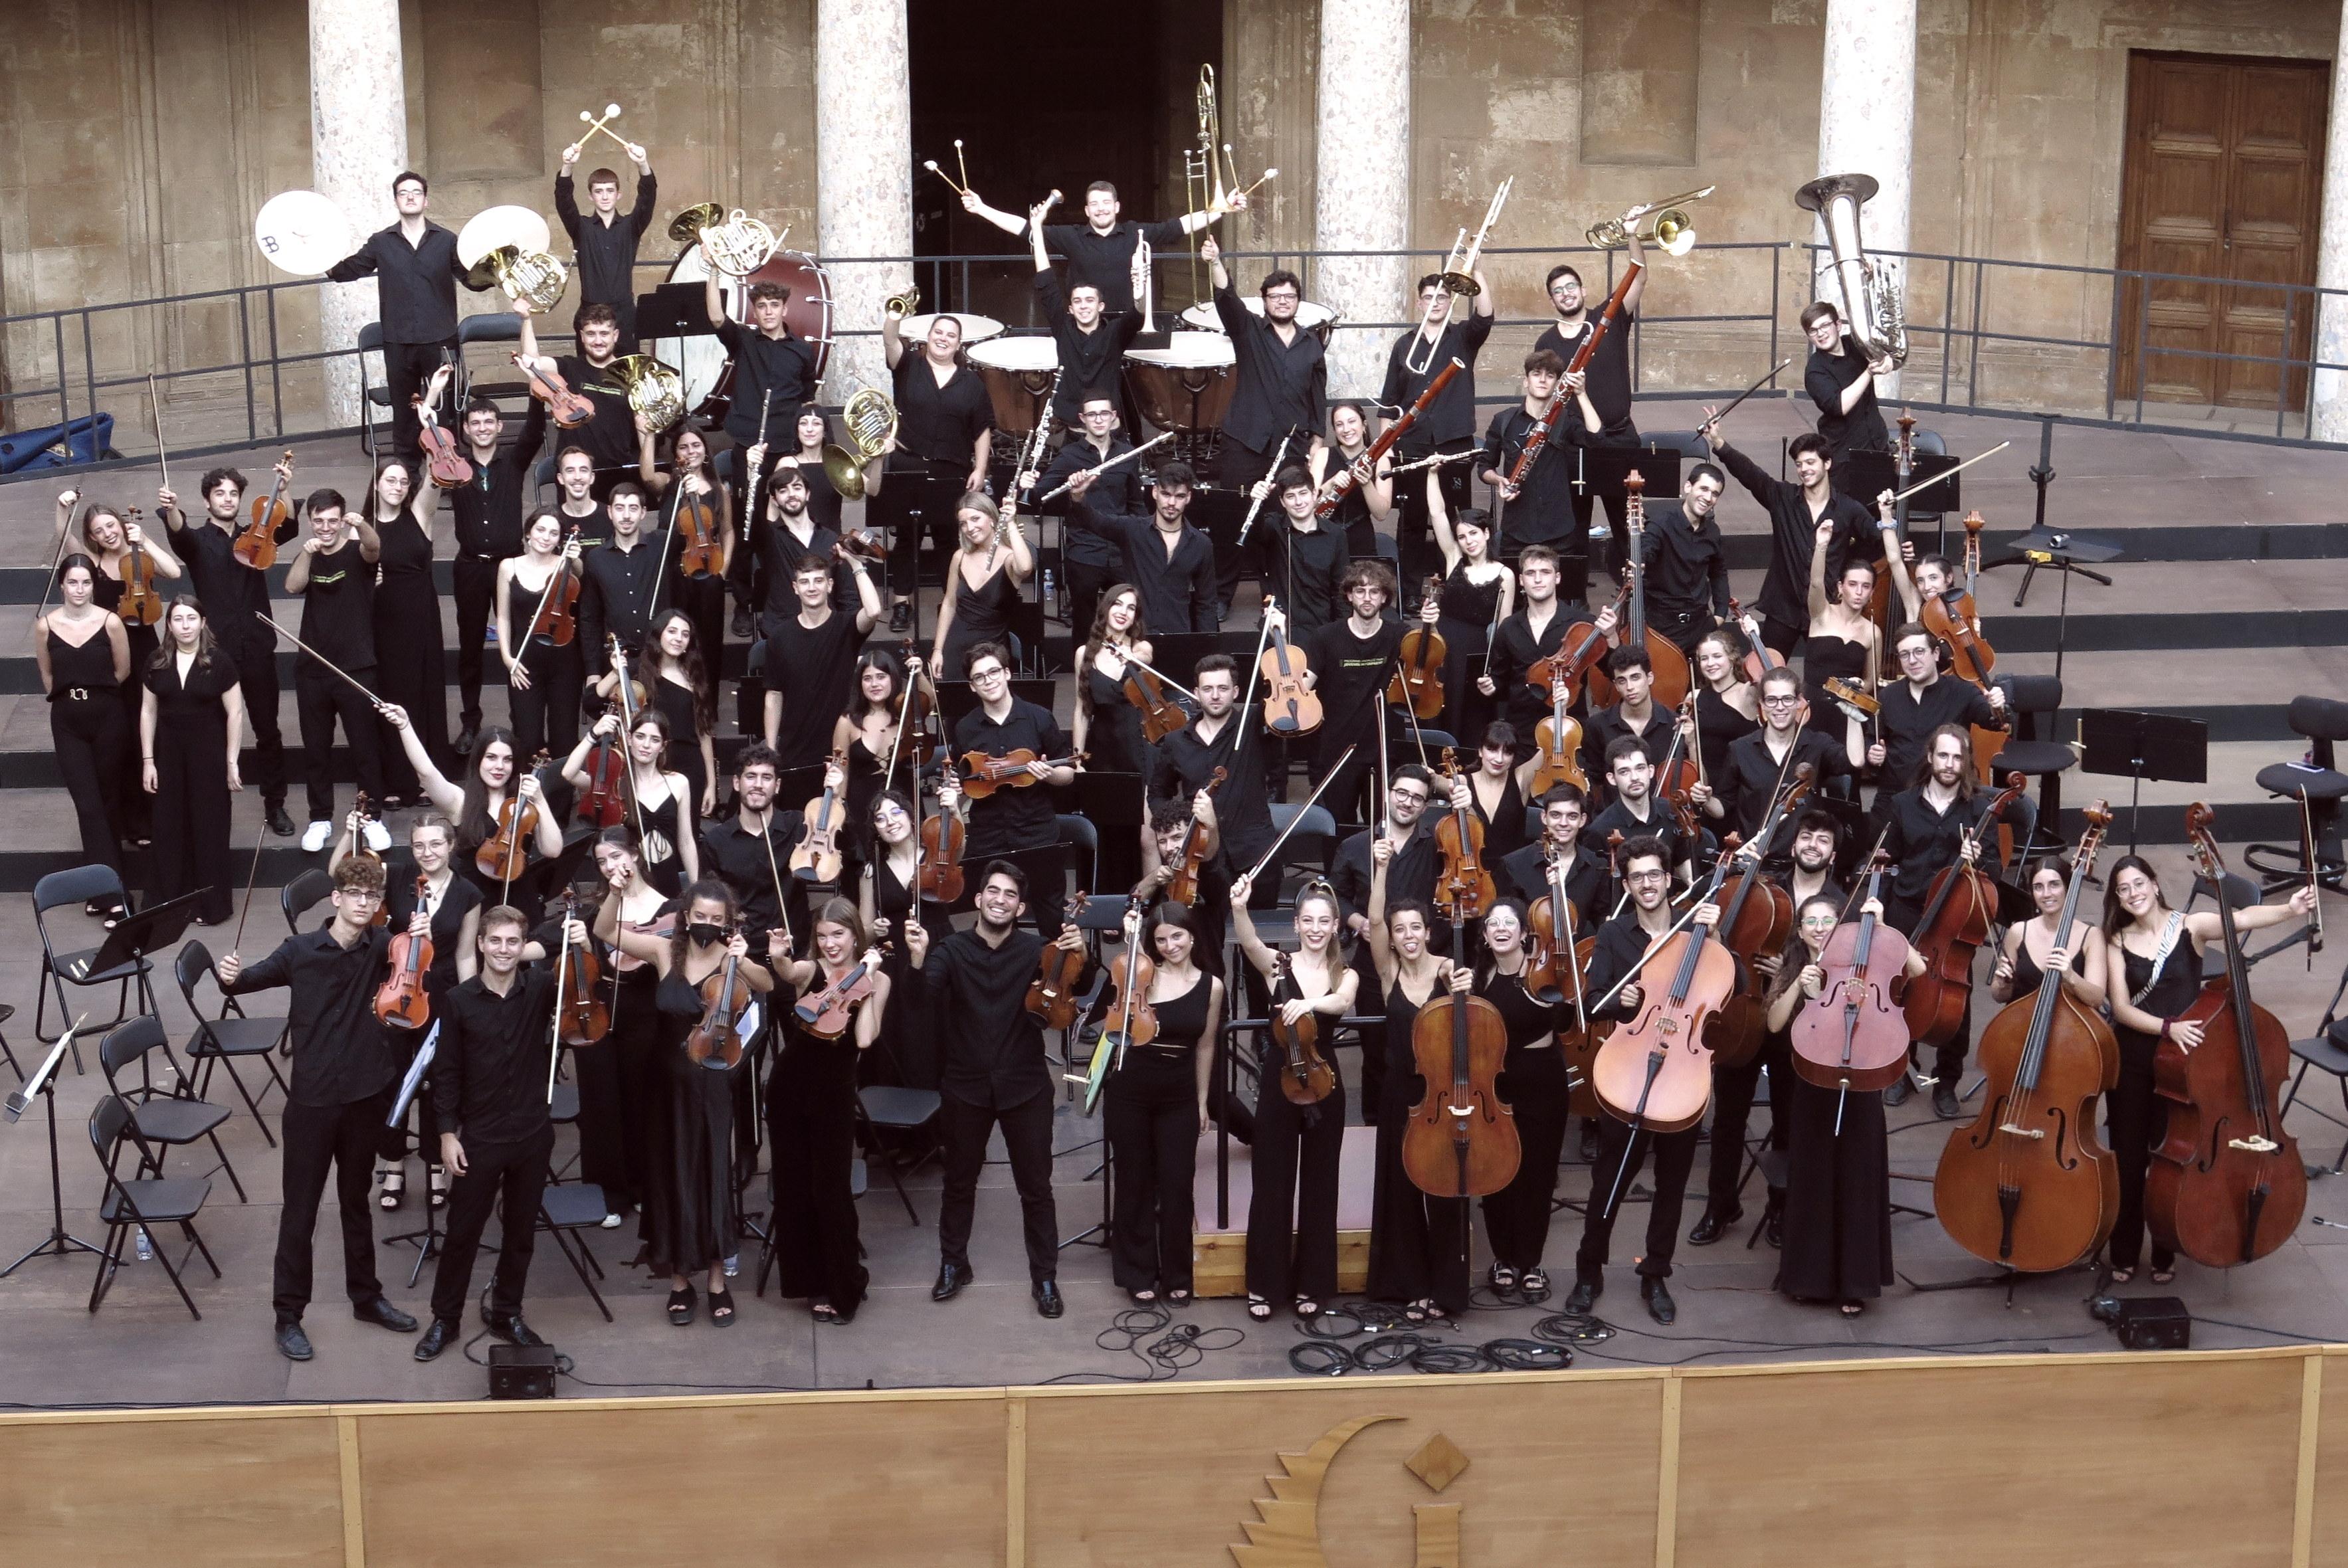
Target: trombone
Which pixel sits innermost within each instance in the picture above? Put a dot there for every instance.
(1458, 281)
(1673, 232)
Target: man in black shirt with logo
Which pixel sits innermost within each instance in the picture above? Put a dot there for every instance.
(812, 658)
(415, 269)
(574, 482)
(610, 436)
(604, 242)
(343, 1074)
(488, 513)
(1352, 660)
(333, 573)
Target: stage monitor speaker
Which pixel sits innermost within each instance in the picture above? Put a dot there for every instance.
(2154, 1323)
(521, 1371)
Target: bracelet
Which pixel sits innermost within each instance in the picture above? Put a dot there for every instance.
(2164, 1027)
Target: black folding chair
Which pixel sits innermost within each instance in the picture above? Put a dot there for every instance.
(564, 1210)
(2326, 1050)
(60, 890)
(224, 1036)
(144, 1201)
(888, 1108)
(303, 894)
(165, 1119)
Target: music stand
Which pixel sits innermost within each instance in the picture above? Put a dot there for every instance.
(427, 1240)
(672, 310)
(1603, 469)
(59, 1243)
(2143, 746)
(156, 926)
(2067, 553)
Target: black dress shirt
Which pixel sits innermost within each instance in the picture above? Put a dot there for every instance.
(1452, 417)
(489, 1069)
(1754, 777)
(1825, 378)
(1606, 725)
(1316, 562)
(416, 285)
(1786, 591)
(779, 551)
(1117, 492)
(1619, 818)
(1924, 842)
(1106, 261)
(941, 424)
(1280, 385)
(1586, 880)
(1515, 651)
(1090, 362)
(1177, 592)
(742, 862)
(991, 1046)
(341, 1054)
(616, 599)
(1687, 572)
(1623, 941)
(1410, 875)
(1907, 721)
(488, 509)
(231, 592)
(606, 253)
(1186, 764)
(1014, 816)
(776, 374)
(1608, 372)
(1542, 512)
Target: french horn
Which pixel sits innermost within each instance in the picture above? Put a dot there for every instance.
(654, 391)
(872, 422)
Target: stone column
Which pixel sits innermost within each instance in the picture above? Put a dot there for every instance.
(2328, 406)
(1362, 183)
(864, 195)
(358, 141)
(1867, 123)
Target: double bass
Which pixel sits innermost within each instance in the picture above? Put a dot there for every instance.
(1654, 1072)
(1852, 1036)
(2029, 1186)
(1958, 914)
(1418, 681)
(1461, 1139)
(2226, 1185)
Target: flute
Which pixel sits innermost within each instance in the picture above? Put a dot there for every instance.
(1120, 459)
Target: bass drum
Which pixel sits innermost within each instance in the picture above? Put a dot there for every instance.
(1185, 386)
(701, 360)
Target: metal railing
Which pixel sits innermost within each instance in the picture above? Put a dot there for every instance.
(1995, 336)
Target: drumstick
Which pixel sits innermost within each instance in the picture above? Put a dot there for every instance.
(587, 118)
(263, 617)
(1268, 174)
(1326, 779)
(963, 168)
(932, 165)
(554, 1028)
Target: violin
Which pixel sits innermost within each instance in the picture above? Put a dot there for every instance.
(1903, 447)
(816, 858)
(1161, 715)
(1052, 996)
(1852, 1035)
(1952, 619)
(556, 620)
(1576, 661)
(1759, 658)
(1288, 707)
(400, 1002)
(1418, 681)
(256, 541)
(364, 809)
(982, 774)
(581, 1018)
(1197, 843)
(825, 1014)
(696, 521)
(940, 873)
(913, 721)
(1461, 1139)
(603, 803)
(1305, 1078)
(1755, 918)
(1464, 888)
(715, 1040)
(2028, 1184)
(140, 604)
(566, 408)
(443, 462)
(2226, 1185)
(1655, 1071)
(1550, 970)
(504, 854)
(1958, 914)
(1558, 737)
(1670, 685)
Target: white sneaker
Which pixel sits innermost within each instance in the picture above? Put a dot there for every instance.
(611, 1222)
(315, 836)
(378, 836)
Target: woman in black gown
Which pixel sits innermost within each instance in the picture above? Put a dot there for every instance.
(689, 1207)
(84, 655)
(1479, 593)
(190, 722)
(1533, 1081)
(1153, 1109)
(811, 1113)
(982, 581)
(676, 678)
(1109, 727)
(867, 736)
(407, 658)
(1843, 643)
(908, 1054)
(621, 1093)
(543, 678)
(660, 803)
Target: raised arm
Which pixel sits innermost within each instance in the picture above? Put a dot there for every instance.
(445, 796)
(1818, 570)
(1911, 603)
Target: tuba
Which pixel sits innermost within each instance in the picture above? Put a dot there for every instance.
(1871, 295)
(654, 389)
(531, 275)
(871, 421)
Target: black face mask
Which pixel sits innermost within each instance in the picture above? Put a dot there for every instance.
(706, 935)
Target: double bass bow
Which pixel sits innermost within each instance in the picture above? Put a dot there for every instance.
(1960, 912)
(2028, 1185)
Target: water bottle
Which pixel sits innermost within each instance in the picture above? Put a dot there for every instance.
(146, 1247)
(1051, 597)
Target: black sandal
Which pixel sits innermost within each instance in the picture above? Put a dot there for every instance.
(721, 1308)
(680, 1305)
(1178, 1298)
(1307, 1309)
(1853, 1308)
(1502, 1279)
(1259, 1308)
(393, 1196)
(1146, 1297)
(1533, 1289)
(1421, 1310)
(437, 1182)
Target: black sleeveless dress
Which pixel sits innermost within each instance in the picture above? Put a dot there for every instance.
(1504, 826)
(689, 1207)
(906, 1052)
(812, 1111)
(1466, 612)
(1418, 1244)
(1837, 1212)
(407, 654)
(1718, 726)
(1113, 736)
(677, 704)
(982, 615)
(1845, 661)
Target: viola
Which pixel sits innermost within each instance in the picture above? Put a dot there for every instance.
(1670, 685)
(603, 802)
(1197, 843)
(1852, 1036)
(1161, 715)
(1759, 658)
(1576, 661)
(825, 1014)
(1288, 707)
(256, 541)
(1464, 888)
(1558, 737)
(702, 552)
(1052, 996)
(2028, 1184)
(982, 774)
(141, 605)
(400, 1002)
(1305, 1078)
(817, 858)
(1959, 912)
(443, 462)
(566, 408)
(582, 1017)
(1418, 681)
(505, 852)
(557, 619)
(2226, 1185)
(940, 873)
(1655, 1071)
(716, 1039)
(1461, 1139)
(1755, 918)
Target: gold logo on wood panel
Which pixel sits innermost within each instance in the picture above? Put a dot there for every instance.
(1286, 1531)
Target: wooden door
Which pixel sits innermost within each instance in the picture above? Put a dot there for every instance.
(2221, 185)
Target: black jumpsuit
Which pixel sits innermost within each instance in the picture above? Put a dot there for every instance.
(811, 1113)
(1294, 1158)
(1534, 1083)
(191, 802)
(1151, 1116)
(546, 717)
(93, 741)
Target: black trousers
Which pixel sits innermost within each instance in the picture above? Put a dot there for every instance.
(256, 672)
(1150, 1113)
(320, 698)
(95, 757)
(1781, 637)
(2135, 1118)
(1617, 1150)
(1732, 1108)
(406, 368)
(1291, 1232)
(511, 1177)
(547, 715)
(190, 813)
(1027, 1135)
(927, 487)
(1516, 1218)
(1086, 584)
(476, 585)
(312, 1138)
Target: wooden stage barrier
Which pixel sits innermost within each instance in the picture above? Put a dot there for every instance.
(2214, 1459)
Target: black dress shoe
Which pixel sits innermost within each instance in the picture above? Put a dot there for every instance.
(1048, 1299)
(1658, 1297)
(436, 1338)
(292, 1343)
(1583, 1297)
(1713, 1226)
(468, 738)
(512, 1330)
(1773, 1225)
(383, 1315)
(952, 1277)
(901, 616)
(741, 621)
(279, 822)
(1899, 1091)
(1944, 1102)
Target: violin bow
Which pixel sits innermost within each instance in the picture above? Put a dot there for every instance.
(627, 728)
(1311, 800)
(897, 747)
(250, 878)
(1247, 698)
(1162, 677)
(354, 682)
(782, 904)
(554, 1029)
(2314, 887)
(667, 543)
(155, 410)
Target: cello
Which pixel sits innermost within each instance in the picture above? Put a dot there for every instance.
(1750, 927)
(1417, 682)
(1654, 1072)
(2029, 1186)
(1288, 708)
(1852, 1035)
(1461, 1139)
(2226, 1185)
(1958, 914)
(1306, 1076)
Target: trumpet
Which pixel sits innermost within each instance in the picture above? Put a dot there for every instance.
(531, 275)
(654, 389)
(1459, 280)
(903, 304)
(871, 421)
(1673, 232)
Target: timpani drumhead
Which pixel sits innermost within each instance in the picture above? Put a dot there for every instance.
(1018, 373)
(976, 328)
(1187, 385)
(1319, 319)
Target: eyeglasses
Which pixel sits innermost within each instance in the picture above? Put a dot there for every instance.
(989, 673)
(1647, 876)
(1408, 797)
(1788, 700)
